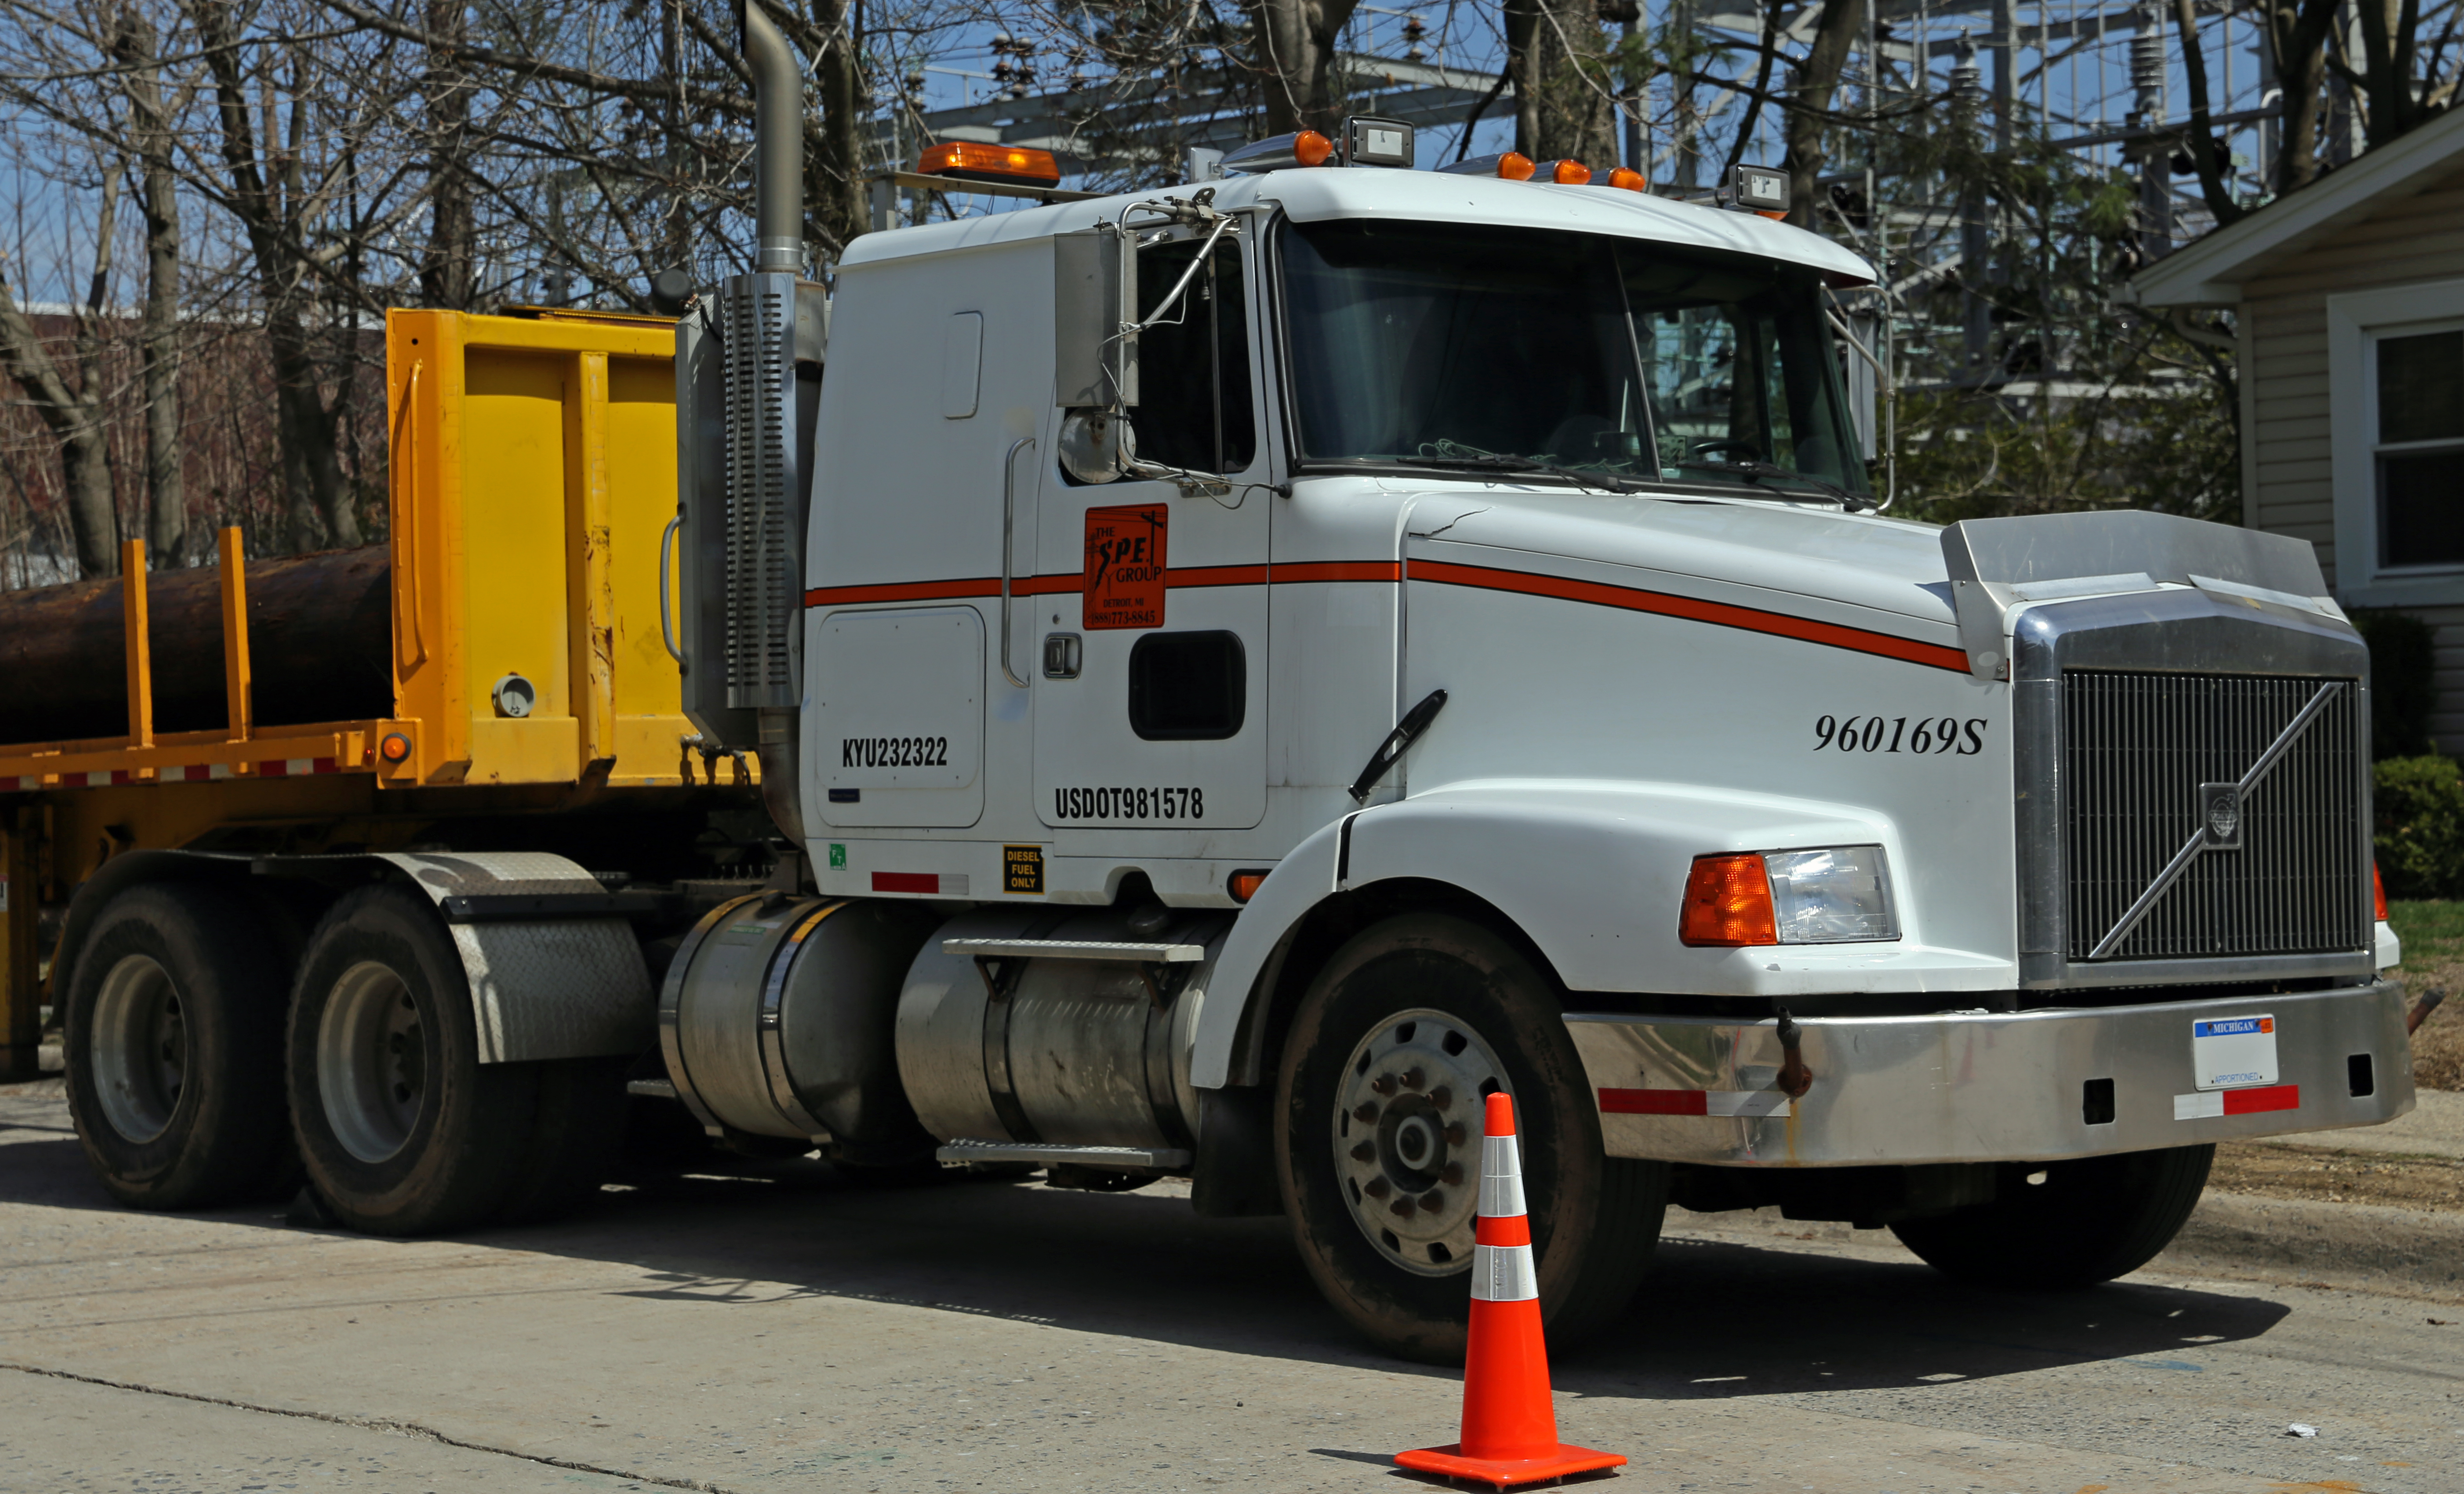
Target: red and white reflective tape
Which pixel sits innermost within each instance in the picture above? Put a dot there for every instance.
(295, 767)
(928, 884)
(185, 772)
(1694, 1102)
(2216, 1104)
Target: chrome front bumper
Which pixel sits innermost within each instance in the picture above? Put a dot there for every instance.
(1982, 1087)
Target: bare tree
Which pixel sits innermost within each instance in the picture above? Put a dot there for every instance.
(1558, 54)
(1818, 79)
(264, 182)
(1296, 44)
(74, 412)
(135, 48)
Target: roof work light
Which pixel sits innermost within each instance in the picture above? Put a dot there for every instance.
(975, 160)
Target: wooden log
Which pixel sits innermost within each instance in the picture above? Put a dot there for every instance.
(319, 633)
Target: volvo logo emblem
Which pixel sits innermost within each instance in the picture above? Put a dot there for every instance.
(2220, 816)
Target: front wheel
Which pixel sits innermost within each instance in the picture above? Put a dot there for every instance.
(2067, 1224)
(1403, 1035)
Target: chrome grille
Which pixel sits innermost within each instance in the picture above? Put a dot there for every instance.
(2136, 748)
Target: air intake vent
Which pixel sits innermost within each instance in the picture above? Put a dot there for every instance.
(756, 315)
(2157, 777)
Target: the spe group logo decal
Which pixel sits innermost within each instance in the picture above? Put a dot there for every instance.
(1125, 566)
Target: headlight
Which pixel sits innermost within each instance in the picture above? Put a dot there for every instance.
(1840, 895)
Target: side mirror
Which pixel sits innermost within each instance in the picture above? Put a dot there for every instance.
(1094, 298)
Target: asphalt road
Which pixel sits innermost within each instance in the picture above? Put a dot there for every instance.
(785, 1329)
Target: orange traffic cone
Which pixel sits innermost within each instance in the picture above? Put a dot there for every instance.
(1510, 1428)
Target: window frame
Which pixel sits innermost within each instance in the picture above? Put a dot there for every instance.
(2357, 322)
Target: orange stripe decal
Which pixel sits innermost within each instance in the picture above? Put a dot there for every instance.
(1630, 599)
(1071, 581)
(1338, 570)
(1778, 624)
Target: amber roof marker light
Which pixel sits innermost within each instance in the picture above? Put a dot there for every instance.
(1627, 179)
(1298, 148)
(1565, 171)
(1510, 165)
(975, 160)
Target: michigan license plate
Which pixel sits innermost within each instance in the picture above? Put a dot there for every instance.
(2229, 1052)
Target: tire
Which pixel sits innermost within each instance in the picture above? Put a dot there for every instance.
(576, 1134)
(174, 1047)
(2087, 1221)
(1456, 1002)
(402, 1129)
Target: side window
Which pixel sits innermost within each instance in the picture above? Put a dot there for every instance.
(1194, 370)
(1188, 686)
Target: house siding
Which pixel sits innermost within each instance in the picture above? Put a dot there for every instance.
(2415, 238)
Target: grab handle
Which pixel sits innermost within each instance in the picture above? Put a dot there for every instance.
(1009, 525)
(667, 617)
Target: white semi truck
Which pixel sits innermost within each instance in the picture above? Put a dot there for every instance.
(1240, 671)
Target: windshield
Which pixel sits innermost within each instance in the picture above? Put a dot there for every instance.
(1455, 346)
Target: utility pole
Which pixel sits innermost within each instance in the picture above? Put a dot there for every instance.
(1975, 246)
(2146, 122)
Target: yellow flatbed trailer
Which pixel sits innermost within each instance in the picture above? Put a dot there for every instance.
(533, 475)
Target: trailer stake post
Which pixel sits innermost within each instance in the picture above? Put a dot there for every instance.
(238, 688)
(141, 659)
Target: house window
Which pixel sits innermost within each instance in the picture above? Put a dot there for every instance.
(2395, 437)
(2420, 436)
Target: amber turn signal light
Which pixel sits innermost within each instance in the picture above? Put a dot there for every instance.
(1629, 179)
(1245, 885)
(395, 748)
(1727, 904)
(970, 159)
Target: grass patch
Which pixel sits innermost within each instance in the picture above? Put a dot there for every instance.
(2435, 926)
(2433, 931)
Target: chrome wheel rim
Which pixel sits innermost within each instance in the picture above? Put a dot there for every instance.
(371, 1061)
(141, 1048)
(1407, 1132)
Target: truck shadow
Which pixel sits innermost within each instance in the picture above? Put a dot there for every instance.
(1715, 1319)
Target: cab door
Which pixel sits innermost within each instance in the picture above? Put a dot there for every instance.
(1151, 618)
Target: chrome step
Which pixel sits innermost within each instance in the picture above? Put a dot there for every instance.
(654, 1089)
(1076, 949)
(1161, 1159)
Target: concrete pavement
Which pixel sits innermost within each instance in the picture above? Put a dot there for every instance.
(776, 1327)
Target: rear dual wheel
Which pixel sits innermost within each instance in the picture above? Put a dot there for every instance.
(402, 1129)
(1390, 1059)
(173, 1027)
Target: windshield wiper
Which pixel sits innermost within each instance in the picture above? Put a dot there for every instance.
(1519, 464)
(1856, 502)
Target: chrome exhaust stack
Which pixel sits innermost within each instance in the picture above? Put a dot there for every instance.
(748, 377)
